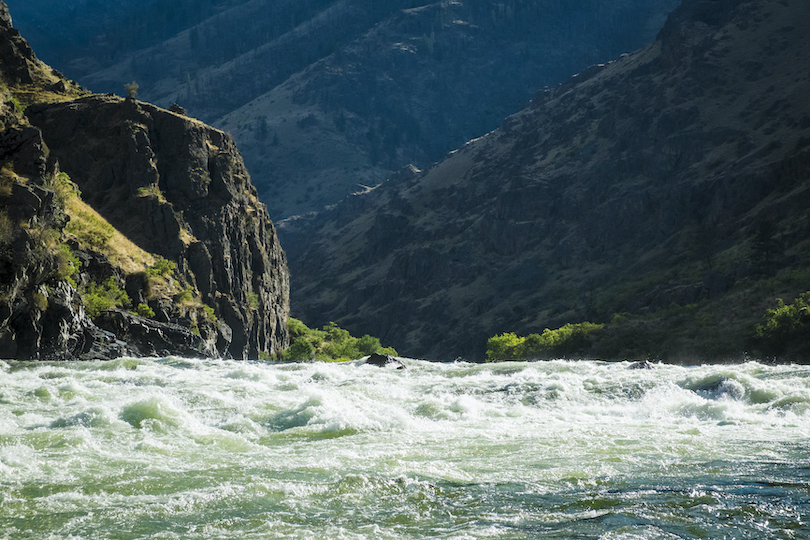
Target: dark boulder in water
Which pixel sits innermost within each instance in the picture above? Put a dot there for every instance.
(645, 364)
(384, 360)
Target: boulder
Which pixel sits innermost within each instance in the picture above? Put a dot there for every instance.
(644, 364)
(384, 360)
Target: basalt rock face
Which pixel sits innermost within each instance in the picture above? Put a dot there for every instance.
(178, 188)
(18, 59)
(636, 186)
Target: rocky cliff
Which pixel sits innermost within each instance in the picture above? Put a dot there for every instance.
(672, 182)
(111, 203)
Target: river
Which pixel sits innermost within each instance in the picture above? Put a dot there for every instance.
(178, 448)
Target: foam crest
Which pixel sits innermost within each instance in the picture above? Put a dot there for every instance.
(96, 416)
(155, 412)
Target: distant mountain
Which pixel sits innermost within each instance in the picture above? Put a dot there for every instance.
(665, 192)
(327, 96)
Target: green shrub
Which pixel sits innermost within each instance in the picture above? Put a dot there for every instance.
(162, 267)
(185, 296)
(209, 312)
(253, 300)
(67, 263)
(296, 328)
(17, 105)
(144, 310)
(368, 345)
(504, 347)
(98, 297)
(301, 350)
(568, 340)
(785, 327)
(331, 344)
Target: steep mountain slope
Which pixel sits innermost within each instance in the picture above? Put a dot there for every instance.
(672, 183)
(112, 203)
(326, 95)
(417, 85)
(86, 36)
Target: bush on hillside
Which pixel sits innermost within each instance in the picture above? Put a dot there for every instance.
(785, 329)
(98, 297)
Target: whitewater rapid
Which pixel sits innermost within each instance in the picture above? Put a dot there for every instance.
(186, 448)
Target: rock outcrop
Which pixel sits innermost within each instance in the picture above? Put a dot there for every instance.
(178, 188)
(172, 185)
(18, 59)
(637, 186)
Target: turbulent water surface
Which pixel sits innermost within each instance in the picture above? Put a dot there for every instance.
(174, 448)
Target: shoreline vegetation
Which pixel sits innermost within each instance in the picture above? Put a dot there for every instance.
(329, 344)
(782, 336)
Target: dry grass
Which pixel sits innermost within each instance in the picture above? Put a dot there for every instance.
(118, 248)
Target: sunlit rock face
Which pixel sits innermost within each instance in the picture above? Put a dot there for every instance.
(174, 186)
(206, 217)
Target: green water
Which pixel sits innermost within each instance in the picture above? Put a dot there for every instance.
(173, 448)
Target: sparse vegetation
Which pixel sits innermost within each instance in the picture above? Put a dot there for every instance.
(7, 177)
(39, 301)
(132, 90)
(64, 188)
(152, 190)
(90, 229)
(330, 344)
(7, 229)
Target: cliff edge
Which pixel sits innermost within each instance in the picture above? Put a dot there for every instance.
(126, 229)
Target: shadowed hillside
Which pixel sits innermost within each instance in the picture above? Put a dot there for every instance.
(324, 96)
(667, 189)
